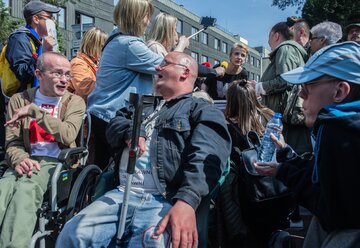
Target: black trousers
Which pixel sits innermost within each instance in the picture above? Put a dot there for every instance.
(103, 151)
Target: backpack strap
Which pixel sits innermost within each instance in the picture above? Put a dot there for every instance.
(113, 36)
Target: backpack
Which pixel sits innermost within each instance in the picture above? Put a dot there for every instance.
(10, 84)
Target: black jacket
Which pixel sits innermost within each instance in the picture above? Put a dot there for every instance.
(329, 184)
(212, 83)
(189, 146)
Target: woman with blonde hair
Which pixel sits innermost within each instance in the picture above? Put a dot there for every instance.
(85, 64)
(126, 66)
(163, 36)
(217, 87)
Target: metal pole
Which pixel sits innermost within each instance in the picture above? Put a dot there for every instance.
(136, 101)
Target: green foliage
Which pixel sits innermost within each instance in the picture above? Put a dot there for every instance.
(7, 23)
(339, 11)
(283, 4)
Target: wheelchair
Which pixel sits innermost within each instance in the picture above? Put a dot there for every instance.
(71, 190)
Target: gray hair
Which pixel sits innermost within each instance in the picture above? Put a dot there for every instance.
(331, 31)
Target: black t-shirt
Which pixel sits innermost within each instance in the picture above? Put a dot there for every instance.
(217, 87)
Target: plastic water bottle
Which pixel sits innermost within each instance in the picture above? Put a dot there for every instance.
(267, 148)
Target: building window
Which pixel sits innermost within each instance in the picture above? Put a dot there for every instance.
(82, 24)
(251, 60)
(217, 44)
(248, 59)
(224, 47)
(195, 56)
(204, 58)
(193, 31)
(204, 38)
(252, 76)
(258, 63)
(179, 26)
(61, 18)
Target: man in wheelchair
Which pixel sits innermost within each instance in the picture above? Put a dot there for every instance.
(184, 145)
(40, 122)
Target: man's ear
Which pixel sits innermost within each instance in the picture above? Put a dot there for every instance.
(342, 91)
(185, 74)
(37, 73)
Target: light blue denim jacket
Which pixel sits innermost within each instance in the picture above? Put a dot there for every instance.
(126, 66)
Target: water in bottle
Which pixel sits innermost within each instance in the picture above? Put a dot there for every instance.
(267, 148)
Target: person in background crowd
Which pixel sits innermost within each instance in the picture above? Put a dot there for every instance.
(19, 49)
(85, 64)
(327, 185)
(324, 34)
(127, 65)
(277, 94)
(301, 32)
(40, 122)
(184, 146)
(217, 87)
(353, 31)
(163, 37)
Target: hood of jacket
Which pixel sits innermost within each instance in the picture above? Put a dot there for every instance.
(290, 43)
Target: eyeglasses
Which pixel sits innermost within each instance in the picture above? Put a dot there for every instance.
(315, 38)
(58, 74)
(45, 17)
(165, 63)
(305, 87)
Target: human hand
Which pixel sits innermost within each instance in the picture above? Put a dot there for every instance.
(252, 83)
(220, 71)
(266, 168)
(19, 114)
(182, 44)
(183, 225)
(49, 43)
(141, 145)
(280, 143)
(26, 166)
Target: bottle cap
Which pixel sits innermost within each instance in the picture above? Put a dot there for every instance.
(278, 115)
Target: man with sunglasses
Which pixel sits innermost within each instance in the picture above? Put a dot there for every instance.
(328, 184)
(183, 148)
(41, 121)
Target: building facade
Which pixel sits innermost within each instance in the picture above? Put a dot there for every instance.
(212, 45)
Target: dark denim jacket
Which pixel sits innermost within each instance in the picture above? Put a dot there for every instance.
(189, 146)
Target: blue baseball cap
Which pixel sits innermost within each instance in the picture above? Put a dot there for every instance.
(340, 60)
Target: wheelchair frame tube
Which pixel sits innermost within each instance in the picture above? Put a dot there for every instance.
(54, 181)
(136, 101)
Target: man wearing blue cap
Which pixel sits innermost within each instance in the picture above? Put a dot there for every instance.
(327, 185)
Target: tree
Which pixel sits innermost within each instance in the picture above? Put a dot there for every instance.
(283, 4)
(339, 11)
(7, 24)
(316, 11)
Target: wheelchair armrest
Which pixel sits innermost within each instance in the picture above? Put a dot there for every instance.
(65, 154)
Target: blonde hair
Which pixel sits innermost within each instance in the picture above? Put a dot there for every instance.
(92, 42)
(239, 46)
(129, 16)
(163, 30)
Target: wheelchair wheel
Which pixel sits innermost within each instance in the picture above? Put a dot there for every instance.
(83, 190)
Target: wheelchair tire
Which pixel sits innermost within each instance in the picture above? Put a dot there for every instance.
(82, 191)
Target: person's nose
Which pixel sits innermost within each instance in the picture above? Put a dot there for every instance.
(158, 68)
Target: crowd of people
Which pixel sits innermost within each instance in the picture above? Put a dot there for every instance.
(185, 141)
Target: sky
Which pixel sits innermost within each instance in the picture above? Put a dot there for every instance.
(251, 19)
